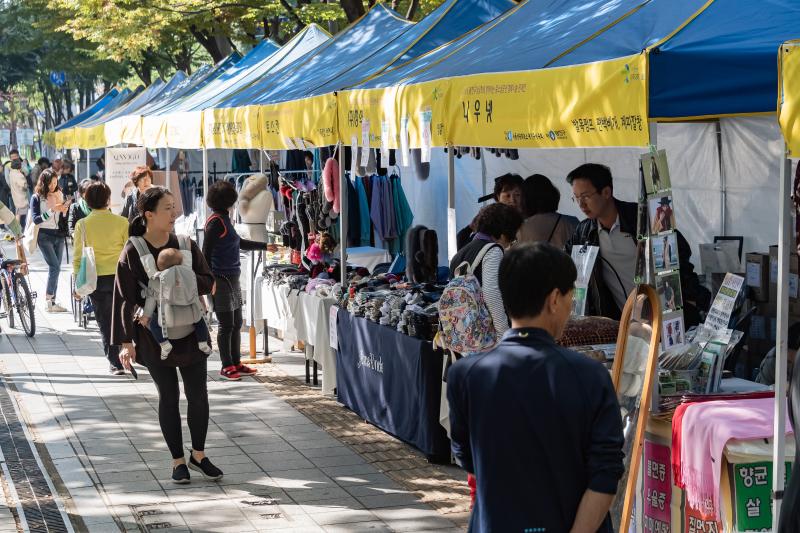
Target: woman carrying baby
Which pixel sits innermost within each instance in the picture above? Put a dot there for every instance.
(155, 223)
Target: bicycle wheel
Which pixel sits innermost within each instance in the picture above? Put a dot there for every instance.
(25, 305)
(7, 301)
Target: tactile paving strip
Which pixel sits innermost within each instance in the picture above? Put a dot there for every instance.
(41, 512)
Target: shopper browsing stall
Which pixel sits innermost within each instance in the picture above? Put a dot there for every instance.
(496, 228)
(610, 224)
(221, 249)
(508, 190)
(546, 458)
(544, 222)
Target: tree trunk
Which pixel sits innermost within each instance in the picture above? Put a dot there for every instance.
(68, 100)
(353, 9)
(275, 29)
(210, 43)
(412, 9)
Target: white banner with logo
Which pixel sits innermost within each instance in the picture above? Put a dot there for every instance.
(120, 162)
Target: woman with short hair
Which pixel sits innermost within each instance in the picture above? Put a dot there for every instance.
(544, 222)
(142, 179)
(107, 234)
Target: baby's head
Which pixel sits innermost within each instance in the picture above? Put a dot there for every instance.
(169, 257)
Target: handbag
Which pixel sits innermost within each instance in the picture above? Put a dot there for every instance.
(30, 238)
(86, 282)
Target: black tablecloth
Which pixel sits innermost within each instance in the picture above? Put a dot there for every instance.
(393, 381)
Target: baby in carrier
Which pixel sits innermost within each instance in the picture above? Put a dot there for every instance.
(172, 275)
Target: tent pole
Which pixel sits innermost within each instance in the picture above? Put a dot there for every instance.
(784, 244)
(168, 168)
(88, 163)
(343, 188)
(261, 161)
(205, 183)
(452, 231)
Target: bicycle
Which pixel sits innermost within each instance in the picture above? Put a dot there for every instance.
(16, 294)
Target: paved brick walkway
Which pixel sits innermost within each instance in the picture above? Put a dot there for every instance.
(293, 459)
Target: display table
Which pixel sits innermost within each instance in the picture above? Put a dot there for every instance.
(392, 381)
(367, 256)
(315, 313)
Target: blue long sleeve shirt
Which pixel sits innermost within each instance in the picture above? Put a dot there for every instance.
(538, 425)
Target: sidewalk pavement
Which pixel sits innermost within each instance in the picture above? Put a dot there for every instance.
(293, 459)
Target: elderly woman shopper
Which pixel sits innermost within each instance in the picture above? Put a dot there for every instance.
(48, 211)
(142, 179)
(155, 222)
(107, 234)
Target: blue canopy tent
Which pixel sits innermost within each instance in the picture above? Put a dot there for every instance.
(93, 109)
(65, 136)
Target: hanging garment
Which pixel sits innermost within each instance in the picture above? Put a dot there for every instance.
(403, 215)
(382, 209)
(363, 205)
(353, 215)
(241, 161)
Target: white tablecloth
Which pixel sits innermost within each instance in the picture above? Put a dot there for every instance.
(367, 257)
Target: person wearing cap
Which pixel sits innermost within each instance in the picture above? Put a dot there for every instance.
(610, 224)
(662, 221)
(508, 189)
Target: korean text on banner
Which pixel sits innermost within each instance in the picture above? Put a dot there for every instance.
(120, 162)
(232, 127)
(312, 119)
(789, 101)
(592, 105)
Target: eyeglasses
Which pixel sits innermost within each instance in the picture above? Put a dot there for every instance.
(583, 198)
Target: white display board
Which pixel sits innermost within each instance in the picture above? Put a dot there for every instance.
(5, 137)
(25, 137)
(120, 162)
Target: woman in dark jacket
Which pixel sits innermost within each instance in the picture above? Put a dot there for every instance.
(142, 179)
(48, 210)
(78, 210)
(221, 247)
(155, 223)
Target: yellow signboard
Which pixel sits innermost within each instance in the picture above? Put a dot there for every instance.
(234, 127)
(91, 137)
(299, 124)
(417, 112)
(592, 105)
(789, 102)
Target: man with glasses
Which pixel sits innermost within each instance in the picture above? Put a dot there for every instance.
(610, 224)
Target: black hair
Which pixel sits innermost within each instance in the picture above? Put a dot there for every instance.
(599, 175)
(541, 196)
(67, 163)
(221, 196)
(97, 194)
(43, 161)
(528, 274)
(497, 220)
(147, 201)
(83, 185)
(506, 182)
(13, 151)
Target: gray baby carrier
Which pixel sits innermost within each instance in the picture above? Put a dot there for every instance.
(174, 289)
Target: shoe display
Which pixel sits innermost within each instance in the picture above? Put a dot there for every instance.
(246, 370)
(206, 468)
(230, 373)
(180, 475)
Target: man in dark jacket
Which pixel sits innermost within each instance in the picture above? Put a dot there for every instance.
(537, 424)
(611, 224)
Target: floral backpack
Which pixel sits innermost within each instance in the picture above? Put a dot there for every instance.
(465, 324)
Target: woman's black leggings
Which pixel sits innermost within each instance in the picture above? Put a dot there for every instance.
(194, 387)
(229, 337)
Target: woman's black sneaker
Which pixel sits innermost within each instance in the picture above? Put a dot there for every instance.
(180, 475)
(206, 468)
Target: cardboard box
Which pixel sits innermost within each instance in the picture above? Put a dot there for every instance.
(757, 272)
